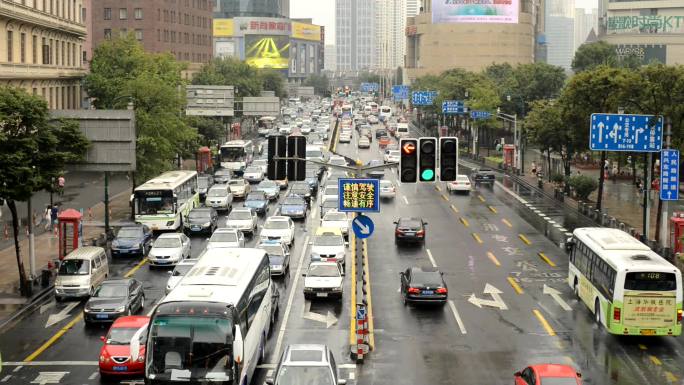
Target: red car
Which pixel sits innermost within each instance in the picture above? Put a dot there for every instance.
(115, 355)
(548, 374)
(383, 141)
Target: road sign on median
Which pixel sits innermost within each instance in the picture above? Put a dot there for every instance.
(423, 98)
(480, 114)
(623, 132)
(453, 107)
(669, 175)
(363, 226)
(400, 92)
(359, 195)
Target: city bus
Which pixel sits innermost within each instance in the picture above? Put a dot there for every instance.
(374, 107)
(385, 113)
(630, 289)
(213, 326)
(162, 203)
(347, 110)
(236, 155)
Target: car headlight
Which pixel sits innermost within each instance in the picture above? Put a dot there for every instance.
(86, 310)
(337, 289)
(120, 309)
(206, 224)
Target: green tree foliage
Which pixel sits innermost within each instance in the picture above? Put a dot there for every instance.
(530, 82)
(122, 72)
(33, 152)
(273, 81)
(591, 55)
(583, 186)
(210, 130)
(320, 83)
(230, 72)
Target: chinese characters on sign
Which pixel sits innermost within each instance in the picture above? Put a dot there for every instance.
(359, 195)
(625, 132)
(669, 175)
(640, 305)
(645, 24)
(266, 26)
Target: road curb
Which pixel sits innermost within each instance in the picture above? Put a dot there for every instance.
(19, 314)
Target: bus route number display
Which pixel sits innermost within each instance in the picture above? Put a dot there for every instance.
(359, 195)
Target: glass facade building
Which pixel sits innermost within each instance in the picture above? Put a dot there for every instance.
(255, 8)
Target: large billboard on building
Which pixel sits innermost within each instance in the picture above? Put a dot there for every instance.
(225, 49)
(651, 24)
(642, 53)
(264, 51)
(262, 26)
(223, 27)
(304, 31)
(475, 11)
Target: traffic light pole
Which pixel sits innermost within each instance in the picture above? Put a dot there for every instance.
(356, 169)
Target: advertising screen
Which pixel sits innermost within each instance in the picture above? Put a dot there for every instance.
(475, 11)
(267, 51)
(306, 31)
(223, 27)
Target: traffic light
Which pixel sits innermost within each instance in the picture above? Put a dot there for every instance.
(296, 147)
(427, 159)
(277, 147)
(448, 158)
(408, 162)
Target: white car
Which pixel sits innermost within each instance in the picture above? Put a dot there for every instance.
(226, 238)
(263, 131)
(328, 246)
(345, 137)
(336, 219)
(285, 129)
(461, 184)
(278, 228)
(179, 272)
(169, 249)
(372, 119)
(392, 156)
(243, 219)
(262, 163)
(323, 280)
(239, 187)
(363, 142)
(305, 130)
(387, 189)
(253, 174)
(337, 160)
(329, 193)
(219, 197)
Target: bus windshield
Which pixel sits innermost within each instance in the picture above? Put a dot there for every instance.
(232, 154)
(149, 202)
(190, 348)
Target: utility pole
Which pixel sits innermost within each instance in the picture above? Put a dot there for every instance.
(106, 204)
(648, 158)
(32, 243)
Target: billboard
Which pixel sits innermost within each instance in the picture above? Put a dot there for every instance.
(223, 27)
(306, 31)
(267, 51)
(642, 53)
(262, 26)
(224, 49)
(475, 11)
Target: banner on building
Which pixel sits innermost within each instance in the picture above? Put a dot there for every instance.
(223, 27)
(306, 31)
(475, 11)
(642, 53)
(645, 24)
(224, 49)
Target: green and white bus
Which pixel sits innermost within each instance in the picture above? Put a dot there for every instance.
(630, 289)
(162, 203)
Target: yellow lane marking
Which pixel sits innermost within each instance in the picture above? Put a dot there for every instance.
(454, 208)
(492, 257)
(547, 259)
(671, 377)
(446, 198)
(464, 221)
(515, 285)
(135, 268)
(507, 222)
(544, 323)
(352, 313)
(477, 238)
(438, 188)
(481, 198)
(492, 209)
(524, 239)
(642, 347)
(371, 334)
(655, 360)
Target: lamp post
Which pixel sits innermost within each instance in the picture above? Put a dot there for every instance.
(520, 153)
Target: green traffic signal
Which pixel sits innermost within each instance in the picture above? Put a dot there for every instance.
(427, 175)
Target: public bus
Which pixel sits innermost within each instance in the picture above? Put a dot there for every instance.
(374, 107)
(236, 155)
(630, 289)
(213, 326)
(385, 113)
(347, 110)
(162, 203)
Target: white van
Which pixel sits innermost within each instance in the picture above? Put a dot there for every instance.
(81, 272)
(402, 130)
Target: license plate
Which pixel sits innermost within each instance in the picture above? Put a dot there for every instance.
(428, 292)
(120, 368)
(321, 294)
(163, 262)
(101, 316)
(410, 234)
(196, 228)
(647, 332)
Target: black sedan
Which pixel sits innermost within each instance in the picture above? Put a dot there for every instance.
(380, 132)
(409, 230)
(423, 285)
(301, 189)
(201, 220)
(257, 201)
(132, 240)
(483, 176)
(113, 299)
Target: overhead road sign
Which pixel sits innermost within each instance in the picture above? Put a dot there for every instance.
(625, 132)
(480, 114)
(669, 175)
(260, 106)
(358, 195)
(363, 226)
(423, 98)
(370, 87)
(400, 92)
(210, 100)
(454, 107)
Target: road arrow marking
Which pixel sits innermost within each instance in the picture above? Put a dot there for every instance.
(47, 307)
(639, 131)
(329, 319)
(555, 294)
(61, 316)
(365, 230)
(496, 300)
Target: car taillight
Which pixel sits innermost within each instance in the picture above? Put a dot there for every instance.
(413, 290)
(398, 232)
(679, 316)
(441, 290)
(616, 314)
(420, 233)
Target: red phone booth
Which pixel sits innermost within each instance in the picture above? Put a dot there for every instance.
(204, 160)
(677, 231)
(69, 222)
(508, 155)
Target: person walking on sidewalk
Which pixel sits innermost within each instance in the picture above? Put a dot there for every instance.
(47, 218)
(534, 169)
(54, 211)
(60, 185)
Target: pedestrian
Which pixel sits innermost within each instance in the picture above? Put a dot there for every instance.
(534, 168)
(47, 218)
(60, 185)
(54, 211)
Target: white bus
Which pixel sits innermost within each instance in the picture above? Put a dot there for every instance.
(162, 203)
(385, 113)
(630, 289)
(237, 154)
(374, 108)
(213, 326)
(347, 110)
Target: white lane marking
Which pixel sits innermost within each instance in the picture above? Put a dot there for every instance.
(313, 212)
(452, 306)
(507, 190)
(405, 200)
(7, 377)
(432, 260)
(352, 375)
(266, 366)
(288, 308)
(21, 364)
(18, 368)
(92, 376)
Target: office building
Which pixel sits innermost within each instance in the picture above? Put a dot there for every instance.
(412, 7)
(40, 49)
(585, 22)
(330, 58)
(560, 32)
(228, 9)
(390, 23)
(181, 27)
(354, 34)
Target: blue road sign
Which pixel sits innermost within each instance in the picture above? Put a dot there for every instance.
(360, 312)
(363, 226)
(400, 92)
(669, 175)
(358, 195)
(480, 114)
(454, 107)
(622, 132)
(423, 98)
(370, 87)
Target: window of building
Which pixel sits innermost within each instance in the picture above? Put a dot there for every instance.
(22, 47)
(83, 15)
(123, 13)
(34, 49)
(63, 54)
(123, 32)
(10, 46)
(139, 34)
(108, 33)
(138, 13)
(108, 14)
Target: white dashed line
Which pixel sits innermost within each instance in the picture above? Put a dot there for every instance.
(18, 368)
(452, 306)
(405, 200)
(92, 376)
(432, 260)
(7, 377)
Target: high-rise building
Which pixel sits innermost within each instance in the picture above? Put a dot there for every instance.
(330, 57)
(412, 7)
(227, 9)
(560, 35)
(182, 27)
(40, 49)
(354, 30)
(390, 25)
(585, 21)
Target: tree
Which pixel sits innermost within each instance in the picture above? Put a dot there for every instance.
(320, 83)
(273, 81)
(592, 55)
(209, 130)
(530, 82)
(229, 71)
(33, 153)
(545, 127)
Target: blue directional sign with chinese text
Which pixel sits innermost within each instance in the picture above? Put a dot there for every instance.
(363, 226)
(358, 195)
(623, 132)
(400, 92)
(423, 98)
(480, 114)
(453, 107)
(370, 87)
(669, 175)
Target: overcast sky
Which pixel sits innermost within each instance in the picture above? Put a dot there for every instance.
(323, 13)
